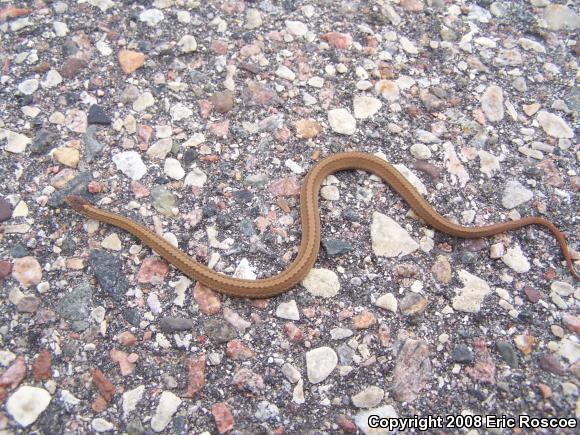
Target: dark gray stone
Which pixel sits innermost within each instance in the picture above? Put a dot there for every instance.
(92, 145)
(43, 142)
(76, 306)
(219, 331)
(5, 210)
(76, 186)
(107, 268)
(335, 247)
(97, 115)
(247, 227)
(462, 354)
(172, 324)
(508, 353)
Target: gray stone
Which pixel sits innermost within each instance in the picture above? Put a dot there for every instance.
(76, 306)
(109, 273)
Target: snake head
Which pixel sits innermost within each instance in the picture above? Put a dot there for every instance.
(76, 202)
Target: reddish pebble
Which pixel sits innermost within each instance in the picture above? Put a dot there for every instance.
(219, 129)
(545, 391)
(293, 332)
(223, 417)
(153, 271)
(5, 269)
(282, 134)
(41, 367)
(196, 376)
(100, 404)
(95, 187)
(363, 320)
(261, 304)
(346, 424)
(549, 363)
(14, 374)
(339, 40)
(288, 186)
(139, 190)
(205, 108)
(126, 338)
(218, 46)
(237, 350)
(571, 322)
(384, 335)
(126, 362)
(105, 387)
(145, 132)
(532, 294)
(208, 300)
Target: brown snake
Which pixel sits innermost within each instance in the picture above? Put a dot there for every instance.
(310, 217)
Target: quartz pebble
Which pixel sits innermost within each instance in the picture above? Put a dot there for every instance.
(320, 363)
(27, 403)
(342, 122)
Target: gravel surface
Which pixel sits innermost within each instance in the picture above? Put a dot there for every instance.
(200, 120)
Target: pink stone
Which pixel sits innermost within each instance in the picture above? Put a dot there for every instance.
(144, 132)
(196, 376)
(126, 338)
(237, 350)
(287, 186)
(205, 108)
(282, 134)
(153, 271)
(339, 40)
(139, 190)
(246, 380)
(27, 271)
(220, 129)
(572, 322)
(218, 46)
(293, 332)
(363, 320)
(14, 374)
(223, 417)
(126, 362)
(208, 300)
(484, 368)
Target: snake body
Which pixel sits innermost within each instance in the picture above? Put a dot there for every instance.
(310, 219)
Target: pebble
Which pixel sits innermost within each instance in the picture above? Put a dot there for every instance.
(320, 363)
(153, 271)
(514, 258)
(471, 296)
(52, 79)
(130, 164)
(97, 115)
(131, 398)
(173, 169)
(420, 151)
(108, 270)
(219, 331)
(187, 44)
(387, 301)
(5, 210)
(208, 300)
(492, 103)
(15, 142)
(368, 398)
(559, 17)
(100, 425)
(27, 403)
(266, 411)
(288, 310)
(67, 156)
(462, 354)
(334, 247)
(321, 282)
(388, 89)
(151, 17)
(75, 306)
(144, 101)
(342, 122)
(285, 73)
(167, 407)
(363, 320)
(130, 61)
(253, 19)
(330, 193)
(554, 125)
(195, 178)
(174, 324)
(413, 303)
(223, 101)
(366, 107)
(223, 417)
(361, 419)
(296, 28)
(389, 239)
(27, 271)
(180, 112)
(28, 87)
(515, 194)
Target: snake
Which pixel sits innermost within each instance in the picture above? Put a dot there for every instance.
(310, 222)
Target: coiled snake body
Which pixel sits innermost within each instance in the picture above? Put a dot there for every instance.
(310, 218)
